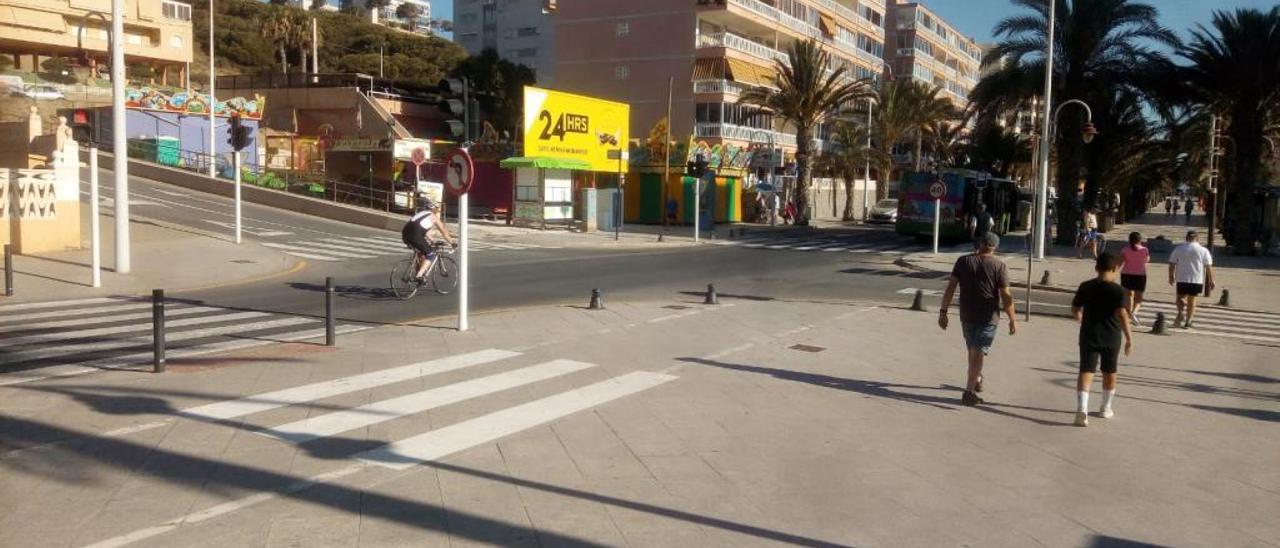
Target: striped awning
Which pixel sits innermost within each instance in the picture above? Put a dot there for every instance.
(827, 24)
(750, 74)
(709, 68)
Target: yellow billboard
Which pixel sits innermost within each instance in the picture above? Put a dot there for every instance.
(564, 125)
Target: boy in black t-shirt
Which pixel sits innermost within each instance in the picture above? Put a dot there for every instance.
(1099, 308)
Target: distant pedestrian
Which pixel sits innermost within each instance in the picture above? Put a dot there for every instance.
(1191, 273)
(789, 213)
(983, 281)
(1168, 206)
(1088, 234)
(1188, 207)
(775, 205)
(1099, 308)
(1133, 273)
(673, 210)
(980, 223)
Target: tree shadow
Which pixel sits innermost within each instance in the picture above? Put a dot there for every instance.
(885, 390)
(233, 479)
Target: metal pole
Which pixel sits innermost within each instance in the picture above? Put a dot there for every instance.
(866, 177)
(315, 53)
(464, 236)
(235, 165)
(95, 228)
(666, 150)
(157, 330)
(8, 270)
(213, 103)
(937, 222)
(697, 205)
(330, 337)
(380, 64)
(617, 225)
(1213, 188)
(118, 134)
(1042, 190)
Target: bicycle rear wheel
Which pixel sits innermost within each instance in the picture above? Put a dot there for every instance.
(444, 275)
(403, 282)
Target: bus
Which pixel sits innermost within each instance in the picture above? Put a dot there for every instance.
(965, 190)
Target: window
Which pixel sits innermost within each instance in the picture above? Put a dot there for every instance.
(175, 10)
(175, 41)
(621, 72)
(527, 52)
(134, 39)
(874, 16)
(527, 31)
(623, 29)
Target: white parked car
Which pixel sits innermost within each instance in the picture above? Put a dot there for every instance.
(42, 93)
(885, 211)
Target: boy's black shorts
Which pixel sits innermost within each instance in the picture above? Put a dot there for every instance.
(1091, 355)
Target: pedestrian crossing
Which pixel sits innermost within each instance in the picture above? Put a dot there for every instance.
(828, 244)
(512, 392)
(345, 248)
(61, 338)
(1217, 321)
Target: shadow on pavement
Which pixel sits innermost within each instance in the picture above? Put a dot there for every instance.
(1264, 415)
(202, 473)
(1151, 382)
(351, 291)
(885, 390)
(1103, 541)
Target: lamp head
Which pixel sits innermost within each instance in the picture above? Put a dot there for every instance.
(1088, 132)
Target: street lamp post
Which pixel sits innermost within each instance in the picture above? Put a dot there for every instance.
(1042, 188)
(866, 174)
(118, 135)
(213, 103)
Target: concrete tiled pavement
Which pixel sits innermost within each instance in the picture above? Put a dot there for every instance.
(753, 443)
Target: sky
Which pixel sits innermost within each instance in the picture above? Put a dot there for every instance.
(976, 18)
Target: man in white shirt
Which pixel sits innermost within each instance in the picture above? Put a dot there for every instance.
(1191, 269)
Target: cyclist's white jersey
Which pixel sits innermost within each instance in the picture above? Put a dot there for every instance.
(425, 219)
(1090, 221)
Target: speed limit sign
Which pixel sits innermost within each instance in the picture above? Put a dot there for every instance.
(937, 189)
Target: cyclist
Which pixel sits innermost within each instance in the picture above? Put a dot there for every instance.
(418, 232)
(1088, 234)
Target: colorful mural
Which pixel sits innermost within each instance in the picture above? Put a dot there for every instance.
(195, 103)
(721, 155)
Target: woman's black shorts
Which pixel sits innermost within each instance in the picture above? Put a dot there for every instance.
(1134, 282)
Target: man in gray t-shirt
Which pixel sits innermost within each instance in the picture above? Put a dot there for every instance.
(983, 281)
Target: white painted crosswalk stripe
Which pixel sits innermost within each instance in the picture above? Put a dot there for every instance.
(28, 316)
(342, 248)
(119, 330)
(175, 311)
(446, 441)
(1219, 322)
(824, 244)
(55, 304)
(320, 253)
(344, 421)
(141, 341)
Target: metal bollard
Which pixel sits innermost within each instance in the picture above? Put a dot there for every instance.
(712, 298)
(917, 303)
(157, 331)
(1046, 279)
(1225, 299)
(1159, 327)
(597, 302)
(8, 270)
(330, 336)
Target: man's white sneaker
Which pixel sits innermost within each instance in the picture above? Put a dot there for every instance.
(1082, 418)
(1106, 413)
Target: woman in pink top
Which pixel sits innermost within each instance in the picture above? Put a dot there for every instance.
(1133, 273)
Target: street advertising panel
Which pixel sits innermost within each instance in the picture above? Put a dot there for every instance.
(403, 149)
(565, 125)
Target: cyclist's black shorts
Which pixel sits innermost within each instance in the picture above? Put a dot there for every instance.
(415, 237)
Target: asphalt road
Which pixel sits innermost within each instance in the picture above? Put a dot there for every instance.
(524, 277)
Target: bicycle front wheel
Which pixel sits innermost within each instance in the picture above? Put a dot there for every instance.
(444, 275)
(403, 282)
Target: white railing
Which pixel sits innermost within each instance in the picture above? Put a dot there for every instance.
(743, 133)
(722, 86)
(733, 41)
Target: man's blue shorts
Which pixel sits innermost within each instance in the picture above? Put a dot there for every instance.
(979, 335)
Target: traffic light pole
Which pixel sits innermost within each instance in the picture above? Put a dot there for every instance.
(1211, 202)
(95, 225)
(119, 138)
(235, 166)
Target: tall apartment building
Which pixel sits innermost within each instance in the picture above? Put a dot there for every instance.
(421, 24)
(712, 50)
(928, 49)
(521, 31)
(157, 33)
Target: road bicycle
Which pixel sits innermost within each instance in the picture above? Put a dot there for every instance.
(441, 277)
(1081, 244)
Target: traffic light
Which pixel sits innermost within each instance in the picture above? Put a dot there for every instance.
(698, 167)
(241, 135)
(81, 128)
(458, 101)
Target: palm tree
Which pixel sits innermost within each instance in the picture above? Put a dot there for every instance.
(300, 37)
(1100, 45)
(278, 28)
(805, 95)
(946, 139)
(1235, 72)
(894, 119)
(929, 108)
(847, 157)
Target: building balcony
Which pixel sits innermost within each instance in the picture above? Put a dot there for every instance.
(743, 133)
(738, 43)
(768, 19)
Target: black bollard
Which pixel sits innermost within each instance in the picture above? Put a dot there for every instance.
(1159, 327)
(730, 233)
(917, 304)
(330, 336)
(1046, 279)
(660, 238)
(157, 331)
(8, 270)
(1225, 299)
(711, 295)
(597, 303)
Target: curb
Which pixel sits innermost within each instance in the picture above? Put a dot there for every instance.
(902, 262)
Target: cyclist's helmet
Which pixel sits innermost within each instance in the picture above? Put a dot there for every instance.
(427, 204)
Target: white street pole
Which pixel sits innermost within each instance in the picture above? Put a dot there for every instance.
(235, 166)
(119, 146)
(95, 228)
(866, 177)
(1042, 191)
(463, 236)
(315, 52)
(937, 222)
(213, 146)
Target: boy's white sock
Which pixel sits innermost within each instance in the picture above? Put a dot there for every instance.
(1082, 401)
(1107, 396)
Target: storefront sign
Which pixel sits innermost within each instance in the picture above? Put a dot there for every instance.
(403, 149)
(360, 145)
(564, 125)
